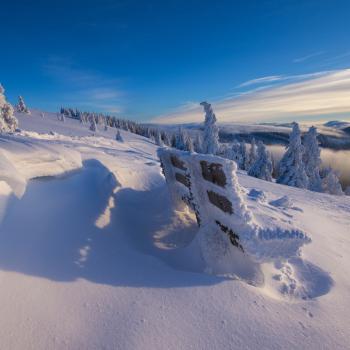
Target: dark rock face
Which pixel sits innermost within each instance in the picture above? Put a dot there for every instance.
(220, 201)
(214, 173)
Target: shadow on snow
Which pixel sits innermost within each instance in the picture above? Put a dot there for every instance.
(51, 232)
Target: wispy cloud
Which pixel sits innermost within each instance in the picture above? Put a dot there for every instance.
(263, 80)
(86, 89)
(307, 57)
(298, 96)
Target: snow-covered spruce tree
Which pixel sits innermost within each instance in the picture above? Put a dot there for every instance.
(253, 155)
(118, 136)
(312, 160)
(262, 167)
(188, 143)
(166, 138)
(21, 106)
(291, 170)
(233, 151)
(242, 156)
(180, 140)
(210, 143)
(93, 126)
(197, 143)
(330, 182)
(8, 122)
(158, 139)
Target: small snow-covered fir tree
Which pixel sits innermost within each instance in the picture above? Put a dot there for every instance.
(262, 167)
(210, 143)
(312, 160)
(21, 106)
(180, 140)
(93, 126)
(242, 156)
(291, 167)
(253, 155)
(118, 136)
(233, 152)
(158, 139)
(197, 143)
(8, 122)
(166, 138)
(188, 143)
(330, 182)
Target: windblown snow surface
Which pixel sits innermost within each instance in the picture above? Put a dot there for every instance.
(93, 255)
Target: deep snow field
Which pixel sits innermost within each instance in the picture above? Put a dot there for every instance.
(93, 256)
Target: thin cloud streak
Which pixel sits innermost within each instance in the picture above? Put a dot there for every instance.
(86, 89)
(307, 57)
(316, 94)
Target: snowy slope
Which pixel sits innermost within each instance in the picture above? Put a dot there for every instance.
(97, 259)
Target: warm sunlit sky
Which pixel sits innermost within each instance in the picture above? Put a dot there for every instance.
(156, 60)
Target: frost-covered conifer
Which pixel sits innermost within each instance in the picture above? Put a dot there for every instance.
(188, 143)
(330, 182)
(197, 143)
(8, 122)
(93, 126)
(21, 107)
(233, 152)
(210, 143)
(262, 167)
(347, 191)
(118, 136)
(253, 155)
(158, 139)
(242, 156)
(180, 141)
(312, 160)
(291, 167)
(166, 138)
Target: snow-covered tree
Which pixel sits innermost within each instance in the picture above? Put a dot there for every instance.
(158, 139)
(93, 126)
(21, 106)
(188, 143)
(291, 167)
(262, 167)
(180, 139)
(42, 115)
(210, 143)
(166, 138)
(233, 152)
(242, 156)
(330, 182)
(106, 127)
(8, 122)
(253, 155)
(118, 136)
(347, 191)
(197, 143)
(312, 160)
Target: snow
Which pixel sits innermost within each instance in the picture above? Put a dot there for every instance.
(96, 257)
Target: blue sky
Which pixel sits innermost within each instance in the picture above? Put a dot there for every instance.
(155, 60)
